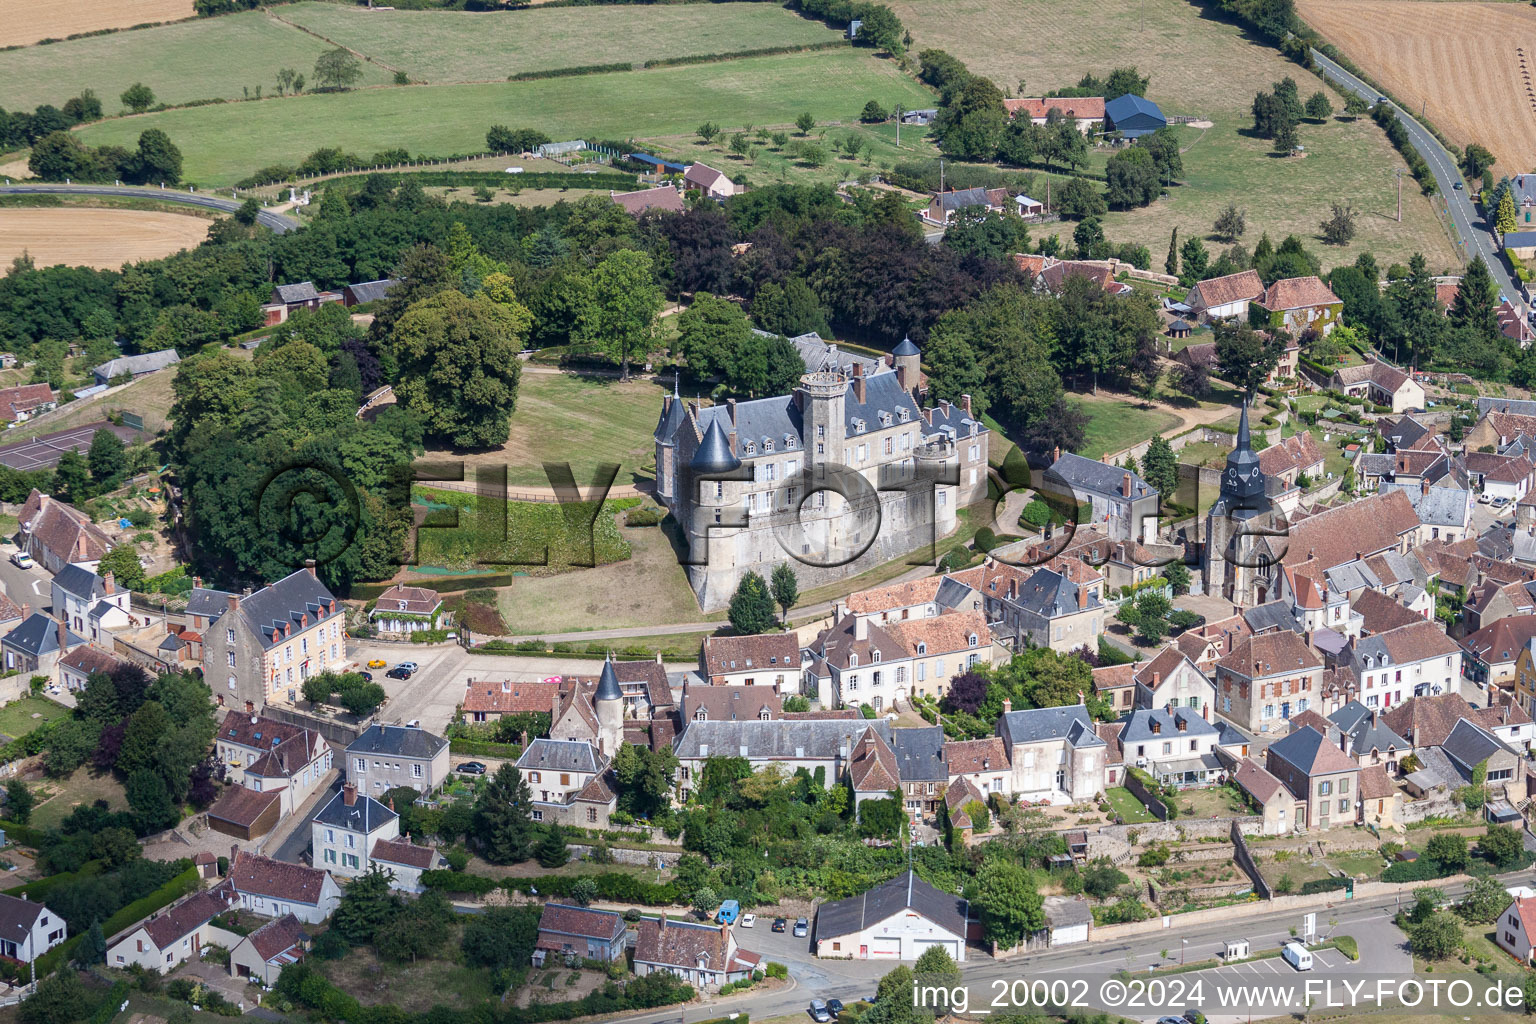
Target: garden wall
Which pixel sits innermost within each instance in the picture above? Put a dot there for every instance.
(638, 858)
(1244, 859)
(1183, 829)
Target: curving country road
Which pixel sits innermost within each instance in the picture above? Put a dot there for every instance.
(279, 223)
(1474, 235)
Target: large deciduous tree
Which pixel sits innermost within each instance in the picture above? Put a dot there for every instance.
(618, 314)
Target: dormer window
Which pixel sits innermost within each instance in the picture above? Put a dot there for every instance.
(767, 444)
(763, 715)
(874, 656)
(922, 649)
(751, 447)
(905, 415)
(972, 639)
(853, 661)
(701, 715)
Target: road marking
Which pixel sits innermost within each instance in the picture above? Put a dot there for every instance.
(35, 583)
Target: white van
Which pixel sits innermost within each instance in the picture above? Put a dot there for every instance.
(1298, 956)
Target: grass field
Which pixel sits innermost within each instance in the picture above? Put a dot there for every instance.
(561, 417)
(1115, 423)
(149, 396)
(1466, 65)
(20, 717)
(101, 238)
(1208, 68)
(27, 21)
(217, 141)
(59, 797)
(459, 46)
(1131, 810)
(173, 60)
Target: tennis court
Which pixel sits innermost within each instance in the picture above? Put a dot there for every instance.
(44, 452)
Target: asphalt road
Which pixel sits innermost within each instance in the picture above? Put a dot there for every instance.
(279, 223)
(1474, 235)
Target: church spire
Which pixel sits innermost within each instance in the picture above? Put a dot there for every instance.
(1244, 442)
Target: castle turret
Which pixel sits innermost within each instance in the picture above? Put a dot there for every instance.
(672, 417)
(608, 702)
(821, 398)
(908, 360)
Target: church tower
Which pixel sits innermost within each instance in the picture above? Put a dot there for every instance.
(1241, 515)
(608, 702)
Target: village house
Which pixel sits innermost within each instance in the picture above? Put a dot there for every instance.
(91, 604)
(1056, 753)
(662, 197)
(19, 404)
(262, 955)
(1323, 781)
(489, 700)
(555, 770)
(769, 659)
(1265, 679)
(345, 829)
(945, 206)
(386, 756)
(1381, 384)
(1121, 563)
(1489, 655)
(1124, 503)
(810, 743)
(704, 703)
(367, 291)
(1267, 793)
(1083, 111)
(1380, 799)
(941, 647)
(34, 648)
(703, 955)
(1288, 464)
(57, 534)
(405, 862)
(920, 769)
(855, 662)
(171, 937)
(1176, 747)
(1296, 305)
(1443, 511)
(268, 642)
(28, 929)
(1363, 734)
(1515, 931)
(579, 933)
(1218, 298)
(77, 667)
(1169, 680)
(712, 183)
(272, 888)
(982, 763)
(1410, 661)
(896, 920)
(401, 611)
(287, 299)
(1500, 476)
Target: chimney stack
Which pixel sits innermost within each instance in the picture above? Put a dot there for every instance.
(901, 378)
(1125, 485)
(1424, 486)
(309, 563)
(1007, 705)
(108, 584)
(234, 602)
(234, 851)
(26, 611)
(860, 627)
(965, 403)
(349, 794)
(1082, 597)
(859, 390)
(730, 405)
(663, 920)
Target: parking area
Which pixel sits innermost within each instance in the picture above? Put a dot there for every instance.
(1259, 970)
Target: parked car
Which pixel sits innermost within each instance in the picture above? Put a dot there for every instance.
(377, 663)
(367, 676)
(819, 1012)
(728, 912)
(409, 666)
(779, 924)
(471, 768)
(749, 920)
(1172, 1020)
(399, 672)
(835, 1007)
(21, 560)
(1484, 498)
(802, 927)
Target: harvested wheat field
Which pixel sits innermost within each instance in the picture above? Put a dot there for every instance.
(1470, 67)
(27, 21)
(105, 239)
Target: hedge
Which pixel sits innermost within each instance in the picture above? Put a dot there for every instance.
(611, 886)
(26, 835)
(1422, 870)
(536, 179)
(580, 69)
(1323, 885)
(761, 51)
(459, 881)
(186, 882)
(485, 748)
(38, 891)
(108, 1007)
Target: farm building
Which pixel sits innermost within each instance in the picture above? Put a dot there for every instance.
(919, 116)
(1132, 116)
(896, 920)
(1084, 111)
(555, 150)
(1219, 297)
(366, 291)
(714, 184)
(139, 365)
(662, 197)
(18, 403)
(289, 298)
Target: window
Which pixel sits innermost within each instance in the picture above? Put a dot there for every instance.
(592, 811)
(416, 772)
(1343, 806)
(1167, 748)
(538, 815)
(330, 856)
(1343, 786)
(229, 636)
(362, 765)
(534, 777)
(565, 779)
(330, 835)
(229, 656)
(922, 648)
(1325, 788)
(351, 841)
(971, 640)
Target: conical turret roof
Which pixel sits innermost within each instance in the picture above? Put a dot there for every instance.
(608, 683)
(714, 454)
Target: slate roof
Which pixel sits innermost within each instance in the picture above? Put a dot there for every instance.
(1051, 594)
(904, 892)
(1138, 725)
(38, 635)
(296, 598)
(787, 739)
(146, 362)
(1469, 744)
(1124, 108)
(302, 291)
(371, 291)
(1440, 506)
(208, 603)
(365, 815)
(714, 454)
(1032, 725)
(276, 879)
(1097, 477)
(17, 916)
(558, 756)
(1310, 752)
(960, 199)
(397, 741)
(920, 753)
(1366, 729)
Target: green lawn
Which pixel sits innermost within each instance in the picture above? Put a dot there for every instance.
(562, 417)
(538, 538)
(1205, 66)
(1115, 423)
(60, 797)
(1217, 801)
(20, 717)
(173, 60)
(220, 146)
(460, 46)
(1124, 803)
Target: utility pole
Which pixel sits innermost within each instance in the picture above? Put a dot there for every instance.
(941, 175)
(898, 126)
(1399, 172)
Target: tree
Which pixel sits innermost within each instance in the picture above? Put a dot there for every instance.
(108, 459)
(1505, 219)
(1475, 305)
(644, 778)
(705, 901)
(19, 802)
(710, 336)
(1131, 175)
(503, 829)
(150, 801)
(458, 363)
(1160, 467)
(1318, 108)
(936, 967)
(1246, 357)
(362, 699)
(552, 850)
(71, 478)
(805, 122)
(1485, 900)
(1230, 224)
(94, 949)
(1354, 105)
(158, 159)
(786, 588)
(1449, 850)
(337, 69)
(1010, 904)
(1171, 264)
(790, 309)
(367, 905)
(1102, 879)
(123, 563)
(618, 316)
(1195, 260)
(874, 113)
(1501, 845)
(1436, 938)
(138, 97)
(60, 999)
(1475, 160)
(751, 608)
(1286, 138)
(1339, 229)
(1079, 198)
(583, 891)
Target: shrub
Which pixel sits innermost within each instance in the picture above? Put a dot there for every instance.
(1348, 946)
(1155, 857)
(645, 515)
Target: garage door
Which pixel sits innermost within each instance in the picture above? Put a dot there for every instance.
(885, 946)
(921, 946)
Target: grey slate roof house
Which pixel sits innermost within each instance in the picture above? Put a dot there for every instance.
(35, 646)
(1469, 745)
(1055, 752)
(1176, 746)
(797, 743)
(898, 919)
(1123, 502)
(920, 767)
(386, 756)
(139, 365)
(279, 636)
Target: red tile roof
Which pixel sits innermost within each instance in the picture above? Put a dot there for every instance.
(1256, 780)
(1346, 532)
(967, 756)
(662, 197)
(1268, 654)
(1244, 286)
(1297, 293)
(872, 768)
(1374, 783)
(275, 938)
(170, 926)
(1076, 107)
(62, 530)
(276, 879)
(504, 697)
(15, 402)
(403, 851)
(243, 807)
(591, 924)
(680, 944)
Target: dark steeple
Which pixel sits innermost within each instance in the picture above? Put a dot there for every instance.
(714, 454)
(608, 683)
(906, 348)
(1242, 484)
